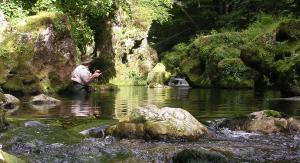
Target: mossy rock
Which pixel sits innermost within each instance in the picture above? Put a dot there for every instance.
(22, 81)
(158, 74)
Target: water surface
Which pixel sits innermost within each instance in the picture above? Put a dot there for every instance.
(204, 104)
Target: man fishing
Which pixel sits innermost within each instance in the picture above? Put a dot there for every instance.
(82, 77)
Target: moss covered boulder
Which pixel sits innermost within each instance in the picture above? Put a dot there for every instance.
(38, 55)
(158, 75)
(211, 61)
(158, 123)
(275, 54)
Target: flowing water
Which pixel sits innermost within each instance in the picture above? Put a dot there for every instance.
(59, 143)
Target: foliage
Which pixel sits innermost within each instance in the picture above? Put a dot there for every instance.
(13, 11)
(45, 5)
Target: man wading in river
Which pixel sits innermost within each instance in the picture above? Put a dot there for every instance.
(82, 78)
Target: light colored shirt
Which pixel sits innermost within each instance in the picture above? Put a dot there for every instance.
(81, 74)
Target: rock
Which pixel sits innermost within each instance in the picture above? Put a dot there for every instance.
(158, 75)
(293, 124)
(95, 132)
(266, 121)
(42, 55)
(11, 101)
(33, 124)
(188, 155)
(152, 122)
(269, 56)
(8, 101)
(44, 100)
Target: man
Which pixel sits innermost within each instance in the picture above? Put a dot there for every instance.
(82, 77)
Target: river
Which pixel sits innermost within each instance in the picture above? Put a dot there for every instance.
(60, 141)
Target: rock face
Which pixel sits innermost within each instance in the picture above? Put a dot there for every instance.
(44, 100)
(267, 121)
(152, 122)
(124, 46)
(41, 55)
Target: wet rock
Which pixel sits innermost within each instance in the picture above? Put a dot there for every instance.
(44, 100)
(293, 125)
(34, 124)
(11, 101)
(95, 132)
(198, 156)
(266, 121)
(158, 123)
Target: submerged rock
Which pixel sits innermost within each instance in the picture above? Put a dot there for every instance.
(198, 156)
(34, 124)
(266, 121)
(44, 100)
(158, 123)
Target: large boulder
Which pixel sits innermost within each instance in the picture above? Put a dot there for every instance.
(158, 123)
(40, 54)
(266, 121)
(275, 56)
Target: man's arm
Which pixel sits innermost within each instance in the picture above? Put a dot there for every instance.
(88, 78)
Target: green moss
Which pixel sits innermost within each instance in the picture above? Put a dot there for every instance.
(272, 113)
(57, 130)
(39, 22)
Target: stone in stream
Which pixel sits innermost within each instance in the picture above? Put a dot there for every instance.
(44, 100)
(96, 132)
(8, 101)
(151, 122)
(34, 124)
(266, 121)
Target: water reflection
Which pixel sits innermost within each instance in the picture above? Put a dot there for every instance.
(204, 104)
